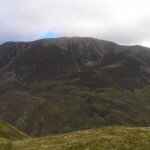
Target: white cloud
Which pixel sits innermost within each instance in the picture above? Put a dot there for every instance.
(122, 21)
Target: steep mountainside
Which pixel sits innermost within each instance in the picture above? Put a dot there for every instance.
(67, 84)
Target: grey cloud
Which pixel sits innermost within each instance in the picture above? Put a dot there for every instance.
(115, 20)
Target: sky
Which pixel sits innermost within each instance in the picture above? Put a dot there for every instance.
(121, 21)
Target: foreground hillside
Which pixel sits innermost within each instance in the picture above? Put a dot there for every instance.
(112, 138)
(9, 133)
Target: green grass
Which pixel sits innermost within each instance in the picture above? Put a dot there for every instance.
(8, 132)
(108, 138)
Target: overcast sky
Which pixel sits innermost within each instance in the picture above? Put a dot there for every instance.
(121, 21)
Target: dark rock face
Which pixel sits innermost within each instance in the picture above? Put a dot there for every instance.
(47, 84)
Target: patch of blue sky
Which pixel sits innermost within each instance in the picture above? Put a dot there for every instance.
(50, 35)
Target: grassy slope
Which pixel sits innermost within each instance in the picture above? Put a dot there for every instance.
(112, 138)
(9, 133)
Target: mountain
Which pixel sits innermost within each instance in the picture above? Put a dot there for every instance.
(44, 58)
(103, 138)
(68, 84)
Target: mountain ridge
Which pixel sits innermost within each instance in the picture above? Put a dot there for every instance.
(77, 53)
